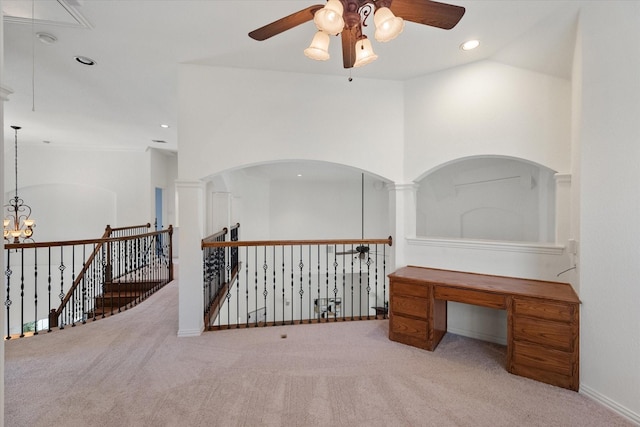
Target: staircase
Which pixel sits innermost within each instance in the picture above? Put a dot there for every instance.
(118, 296)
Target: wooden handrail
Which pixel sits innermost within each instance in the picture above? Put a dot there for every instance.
(130, 227)
(386, 241)
(78, 242)
(215, 236)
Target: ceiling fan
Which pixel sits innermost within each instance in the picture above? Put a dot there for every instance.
(348, 17)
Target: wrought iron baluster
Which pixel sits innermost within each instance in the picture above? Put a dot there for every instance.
(359, 287)
(320, 314)
(7, 301)
(21, 292)
(73, 279)
(35, 294)
(228, 295)
(344, 281)
(49, 289)
(246, 283)
(255, 268)
(275, 320)
(122, 270)
(283, 293)
(384, 282)
(61, 267)
(368, 288)
(326, 278)
(264, 292)
(291, 249)
(335, 284)
(309, 313)
(352, 258)
(236, 268)
(84, 285)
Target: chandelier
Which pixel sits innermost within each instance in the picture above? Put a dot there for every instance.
(349, 15)
(17, 224)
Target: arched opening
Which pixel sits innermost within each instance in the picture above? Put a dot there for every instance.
(300, 200)
(488, 198)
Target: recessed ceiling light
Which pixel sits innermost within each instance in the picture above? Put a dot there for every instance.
(470, 45)
(299, 174)
(164, 126)
(84, 60)
(46, 38)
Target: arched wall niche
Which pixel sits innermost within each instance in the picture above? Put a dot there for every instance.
(299, 199)
(496, 198)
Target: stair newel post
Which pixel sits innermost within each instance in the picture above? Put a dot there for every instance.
(170, 253)
(53, 319)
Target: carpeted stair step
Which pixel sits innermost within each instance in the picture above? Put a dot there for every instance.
(125, 286)
(115, 299)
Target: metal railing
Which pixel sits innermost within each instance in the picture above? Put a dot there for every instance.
(297, 281)
(54, 284)
(216, 261)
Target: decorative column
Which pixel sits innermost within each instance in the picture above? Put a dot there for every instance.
(402, 217)
(563, 208)
(4, 96)
(190, 231)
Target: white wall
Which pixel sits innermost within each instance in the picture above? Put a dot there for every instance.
(111, 186)
(486, 108)
(230, 118)
(610, 203)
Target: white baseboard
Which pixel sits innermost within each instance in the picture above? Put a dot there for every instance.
(478, 335)
(591, 393)
(184, 333)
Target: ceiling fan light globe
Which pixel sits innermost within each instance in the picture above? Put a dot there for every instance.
(388, 26)
(364, 53)
(319, 47)
(329, 18)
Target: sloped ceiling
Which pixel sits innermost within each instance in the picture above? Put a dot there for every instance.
(137, 45)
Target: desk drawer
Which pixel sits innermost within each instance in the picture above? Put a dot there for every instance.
(416, 290)
(539, 357)
(544, 309)
(406, 326)
(548, 333)
(409, 305)
(466, 296)
(409, 331)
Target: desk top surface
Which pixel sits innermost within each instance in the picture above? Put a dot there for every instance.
(487, 283)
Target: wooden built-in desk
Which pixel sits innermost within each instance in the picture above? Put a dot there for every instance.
(542, 317)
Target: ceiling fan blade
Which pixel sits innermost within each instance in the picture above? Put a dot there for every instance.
(428, 12)
(286, 23)
(347, 252)
(349, 38)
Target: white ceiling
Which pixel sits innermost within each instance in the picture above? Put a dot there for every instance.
(138, 45)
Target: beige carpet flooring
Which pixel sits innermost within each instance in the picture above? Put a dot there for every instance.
(132, 370)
